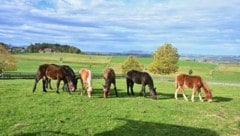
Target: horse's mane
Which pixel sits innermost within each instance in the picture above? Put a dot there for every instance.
(204, 85)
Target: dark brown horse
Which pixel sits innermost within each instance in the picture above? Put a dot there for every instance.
(138, 77)
(46, 72)
(109, 77)
(194, 82)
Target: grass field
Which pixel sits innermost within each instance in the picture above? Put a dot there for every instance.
(26, 113)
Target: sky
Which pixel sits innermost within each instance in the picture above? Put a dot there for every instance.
(207, 27)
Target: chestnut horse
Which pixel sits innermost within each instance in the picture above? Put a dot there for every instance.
(138, 77)
(109, 77)
(46, 72)
(86, 80)
(194, 82)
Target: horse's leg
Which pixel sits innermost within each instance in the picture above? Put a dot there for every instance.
(131, 87)
(128, 85)
(200, 97)
(44, 85)
(82, 86)
(49, 84)
(35, 84)
(58, 83)
(143, 90)
(176, 93)
(193, 93)
(183, 93)
(115, 89)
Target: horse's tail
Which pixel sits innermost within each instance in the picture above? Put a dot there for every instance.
(89, 79)
(176, 82)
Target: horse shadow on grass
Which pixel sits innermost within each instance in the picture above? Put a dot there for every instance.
(98, 92)
(133, 127)
(121, 94)
(163, 96)
(48, 133)
(221, 99)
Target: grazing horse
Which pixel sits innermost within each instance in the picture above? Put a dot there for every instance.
(138, 77)
(109, 77)
(194, 82)
(86, 80)
(46, 72)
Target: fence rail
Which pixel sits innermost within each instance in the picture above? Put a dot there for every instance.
(22, 75)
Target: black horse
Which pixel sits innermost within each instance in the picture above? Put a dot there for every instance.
(134, 76)
(46, 72)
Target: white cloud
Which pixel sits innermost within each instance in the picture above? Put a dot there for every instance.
(137, 23)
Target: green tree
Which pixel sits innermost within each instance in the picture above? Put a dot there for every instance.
(7, 62)
(129, 64)
(165, 60)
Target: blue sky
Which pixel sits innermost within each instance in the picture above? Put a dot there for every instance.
(209, 27)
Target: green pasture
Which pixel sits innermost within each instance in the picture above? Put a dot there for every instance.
(25, 113)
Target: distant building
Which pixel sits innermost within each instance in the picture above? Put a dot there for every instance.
(46, 50)
(17, 49)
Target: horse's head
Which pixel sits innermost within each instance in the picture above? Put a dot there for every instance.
(72, 83)
(208, 95)
(106, 90)
(153, 93)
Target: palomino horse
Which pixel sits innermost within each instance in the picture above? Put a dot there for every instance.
(86, 80)
(46, 72)
(109, 77)
(194, 82)
(134, 76)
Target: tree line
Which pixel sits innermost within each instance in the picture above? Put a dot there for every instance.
(50, 47)
(165, 58)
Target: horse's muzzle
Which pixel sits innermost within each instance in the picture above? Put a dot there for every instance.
(209, 100)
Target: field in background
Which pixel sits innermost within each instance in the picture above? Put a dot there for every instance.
(209, 71)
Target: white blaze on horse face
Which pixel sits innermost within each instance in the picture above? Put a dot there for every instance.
(71, 86)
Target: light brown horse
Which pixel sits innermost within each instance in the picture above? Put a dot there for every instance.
(109, 77)
(86, 80)
(194, 82)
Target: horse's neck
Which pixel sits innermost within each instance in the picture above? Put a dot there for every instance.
(205, 86)
(150, 85)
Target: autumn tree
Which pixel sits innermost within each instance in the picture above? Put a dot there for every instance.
(7, 62)
(165, 60)
(130, 63)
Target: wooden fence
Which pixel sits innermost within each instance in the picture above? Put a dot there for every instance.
(23, 75)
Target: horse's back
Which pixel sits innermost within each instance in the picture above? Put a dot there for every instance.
(139, 77)
(109, 74)
(85, 74)
(188, 80)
